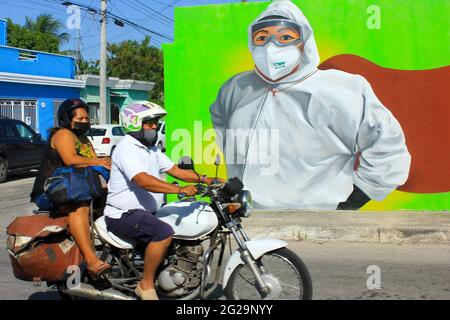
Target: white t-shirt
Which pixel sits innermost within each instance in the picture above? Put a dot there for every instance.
(130, 158)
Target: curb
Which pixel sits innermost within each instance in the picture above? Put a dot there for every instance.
(351, 226)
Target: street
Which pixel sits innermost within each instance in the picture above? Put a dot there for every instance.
(339, 270)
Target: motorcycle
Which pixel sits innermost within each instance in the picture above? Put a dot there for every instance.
(256, 268)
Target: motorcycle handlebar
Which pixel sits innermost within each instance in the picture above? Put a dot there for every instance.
(229, 189)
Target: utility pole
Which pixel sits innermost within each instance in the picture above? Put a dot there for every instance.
(78, 48)
(103, 116)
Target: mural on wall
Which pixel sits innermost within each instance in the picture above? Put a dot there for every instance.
(317, 139)
(319, 121)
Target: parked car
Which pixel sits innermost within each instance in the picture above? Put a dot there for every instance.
(21, 148)
(105, 137)
(161, 143)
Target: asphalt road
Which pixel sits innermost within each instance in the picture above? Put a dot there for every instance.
(338, 269)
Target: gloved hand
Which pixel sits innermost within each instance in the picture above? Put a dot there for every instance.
(355, 201)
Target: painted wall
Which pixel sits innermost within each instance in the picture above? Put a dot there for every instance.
(46, 95)
(45, 64)
(131, 95)
(91, 94)
(409, 76)
(3, 32)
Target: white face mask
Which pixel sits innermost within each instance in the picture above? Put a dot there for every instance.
(276, 62)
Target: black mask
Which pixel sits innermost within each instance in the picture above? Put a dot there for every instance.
(81, 128)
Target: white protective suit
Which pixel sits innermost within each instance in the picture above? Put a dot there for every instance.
(321, 119)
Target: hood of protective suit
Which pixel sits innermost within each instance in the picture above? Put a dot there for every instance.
(310, 56)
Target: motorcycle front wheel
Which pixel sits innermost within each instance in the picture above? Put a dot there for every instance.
(283, 272)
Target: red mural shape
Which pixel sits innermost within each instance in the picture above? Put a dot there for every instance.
(420, 100)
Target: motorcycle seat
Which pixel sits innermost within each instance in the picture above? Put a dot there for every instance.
(110, 237)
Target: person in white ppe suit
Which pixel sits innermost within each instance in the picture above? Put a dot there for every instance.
(320, 121)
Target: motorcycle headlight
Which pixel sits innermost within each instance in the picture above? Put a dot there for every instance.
(245, 199)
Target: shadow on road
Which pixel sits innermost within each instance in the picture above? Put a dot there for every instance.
(22, 175)
(45, 295)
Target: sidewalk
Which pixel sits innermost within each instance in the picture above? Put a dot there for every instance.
(359, 226)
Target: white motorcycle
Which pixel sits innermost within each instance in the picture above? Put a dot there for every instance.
(256, 269)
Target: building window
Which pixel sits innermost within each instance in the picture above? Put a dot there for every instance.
(118, 131)
(115, 110)
(56, 104)
(94, 113)
(20, 109)
(27, 55)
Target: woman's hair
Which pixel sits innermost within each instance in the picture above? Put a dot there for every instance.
(66, 112)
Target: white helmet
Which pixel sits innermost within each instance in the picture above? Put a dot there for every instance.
(133, 114)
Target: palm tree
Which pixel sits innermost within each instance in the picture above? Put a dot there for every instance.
(45, 23)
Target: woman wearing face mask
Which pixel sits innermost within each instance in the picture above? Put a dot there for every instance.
(70, 147)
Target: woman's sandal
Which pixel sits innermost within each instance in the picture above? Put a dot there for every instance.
(98, 269)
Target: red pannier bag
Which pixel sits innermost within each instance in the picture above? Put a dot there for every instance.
(41, 248)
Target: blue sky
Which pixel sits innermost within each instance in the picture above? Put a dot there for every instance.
(138, 11)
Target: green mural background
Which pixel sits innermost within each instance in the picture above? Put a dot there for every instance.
(211, 45)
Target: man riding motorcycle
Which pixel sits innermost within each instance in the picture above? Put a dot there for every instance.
(136, 167)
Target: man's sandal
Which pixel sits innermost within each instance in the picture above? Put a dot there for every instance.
(149, 294)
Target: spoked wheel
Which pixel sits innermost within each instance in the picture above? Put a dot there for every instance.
(284, 273)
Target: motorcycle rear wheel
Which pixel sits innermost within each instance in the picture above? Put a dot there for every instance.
(285, 273)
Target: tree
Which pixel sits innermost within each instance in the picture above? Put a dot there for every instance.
(41, 34)
(20, 37)
(45, 23)
(139, 61)
(89, 67)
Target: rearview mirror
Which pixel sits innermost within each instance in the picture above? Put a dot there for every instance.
(217, 162)
(186, 163)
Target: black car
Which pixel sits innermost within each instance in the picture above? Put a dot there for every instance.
(21, 148)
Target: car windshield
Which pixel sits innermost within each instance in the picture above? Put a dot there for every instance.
(95, 132)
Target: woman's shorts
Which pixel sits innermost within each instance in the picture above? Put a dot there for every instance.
(139, 226)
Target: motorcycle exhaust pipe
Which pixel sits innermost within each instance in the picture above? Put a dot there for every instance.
(87, 291)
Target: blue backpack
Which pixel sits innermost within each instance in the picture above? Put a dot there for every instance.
(71, 185)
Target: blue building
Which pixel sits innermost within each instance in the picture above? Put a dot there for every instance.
(33, 84)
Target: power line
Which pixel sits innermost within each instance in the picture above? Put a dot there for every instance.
(86, 12)
(147, 13)
(30, 8)
(167, 7)
(153, 10)
(116, 17)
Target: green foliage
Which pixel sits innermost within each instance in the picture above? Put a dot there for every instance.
(139, 61)
(45, 23)
(20, 37)
(89, 67)
(41, 34)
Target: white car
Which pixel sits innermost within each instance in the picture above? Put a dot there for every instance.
(161, 143)
(105, 137)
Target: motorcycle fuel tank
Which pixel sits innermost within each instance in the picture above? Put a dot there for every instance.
(189, 220)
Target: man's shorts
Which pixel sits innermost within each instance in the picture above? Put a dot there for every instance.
(139, 226)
